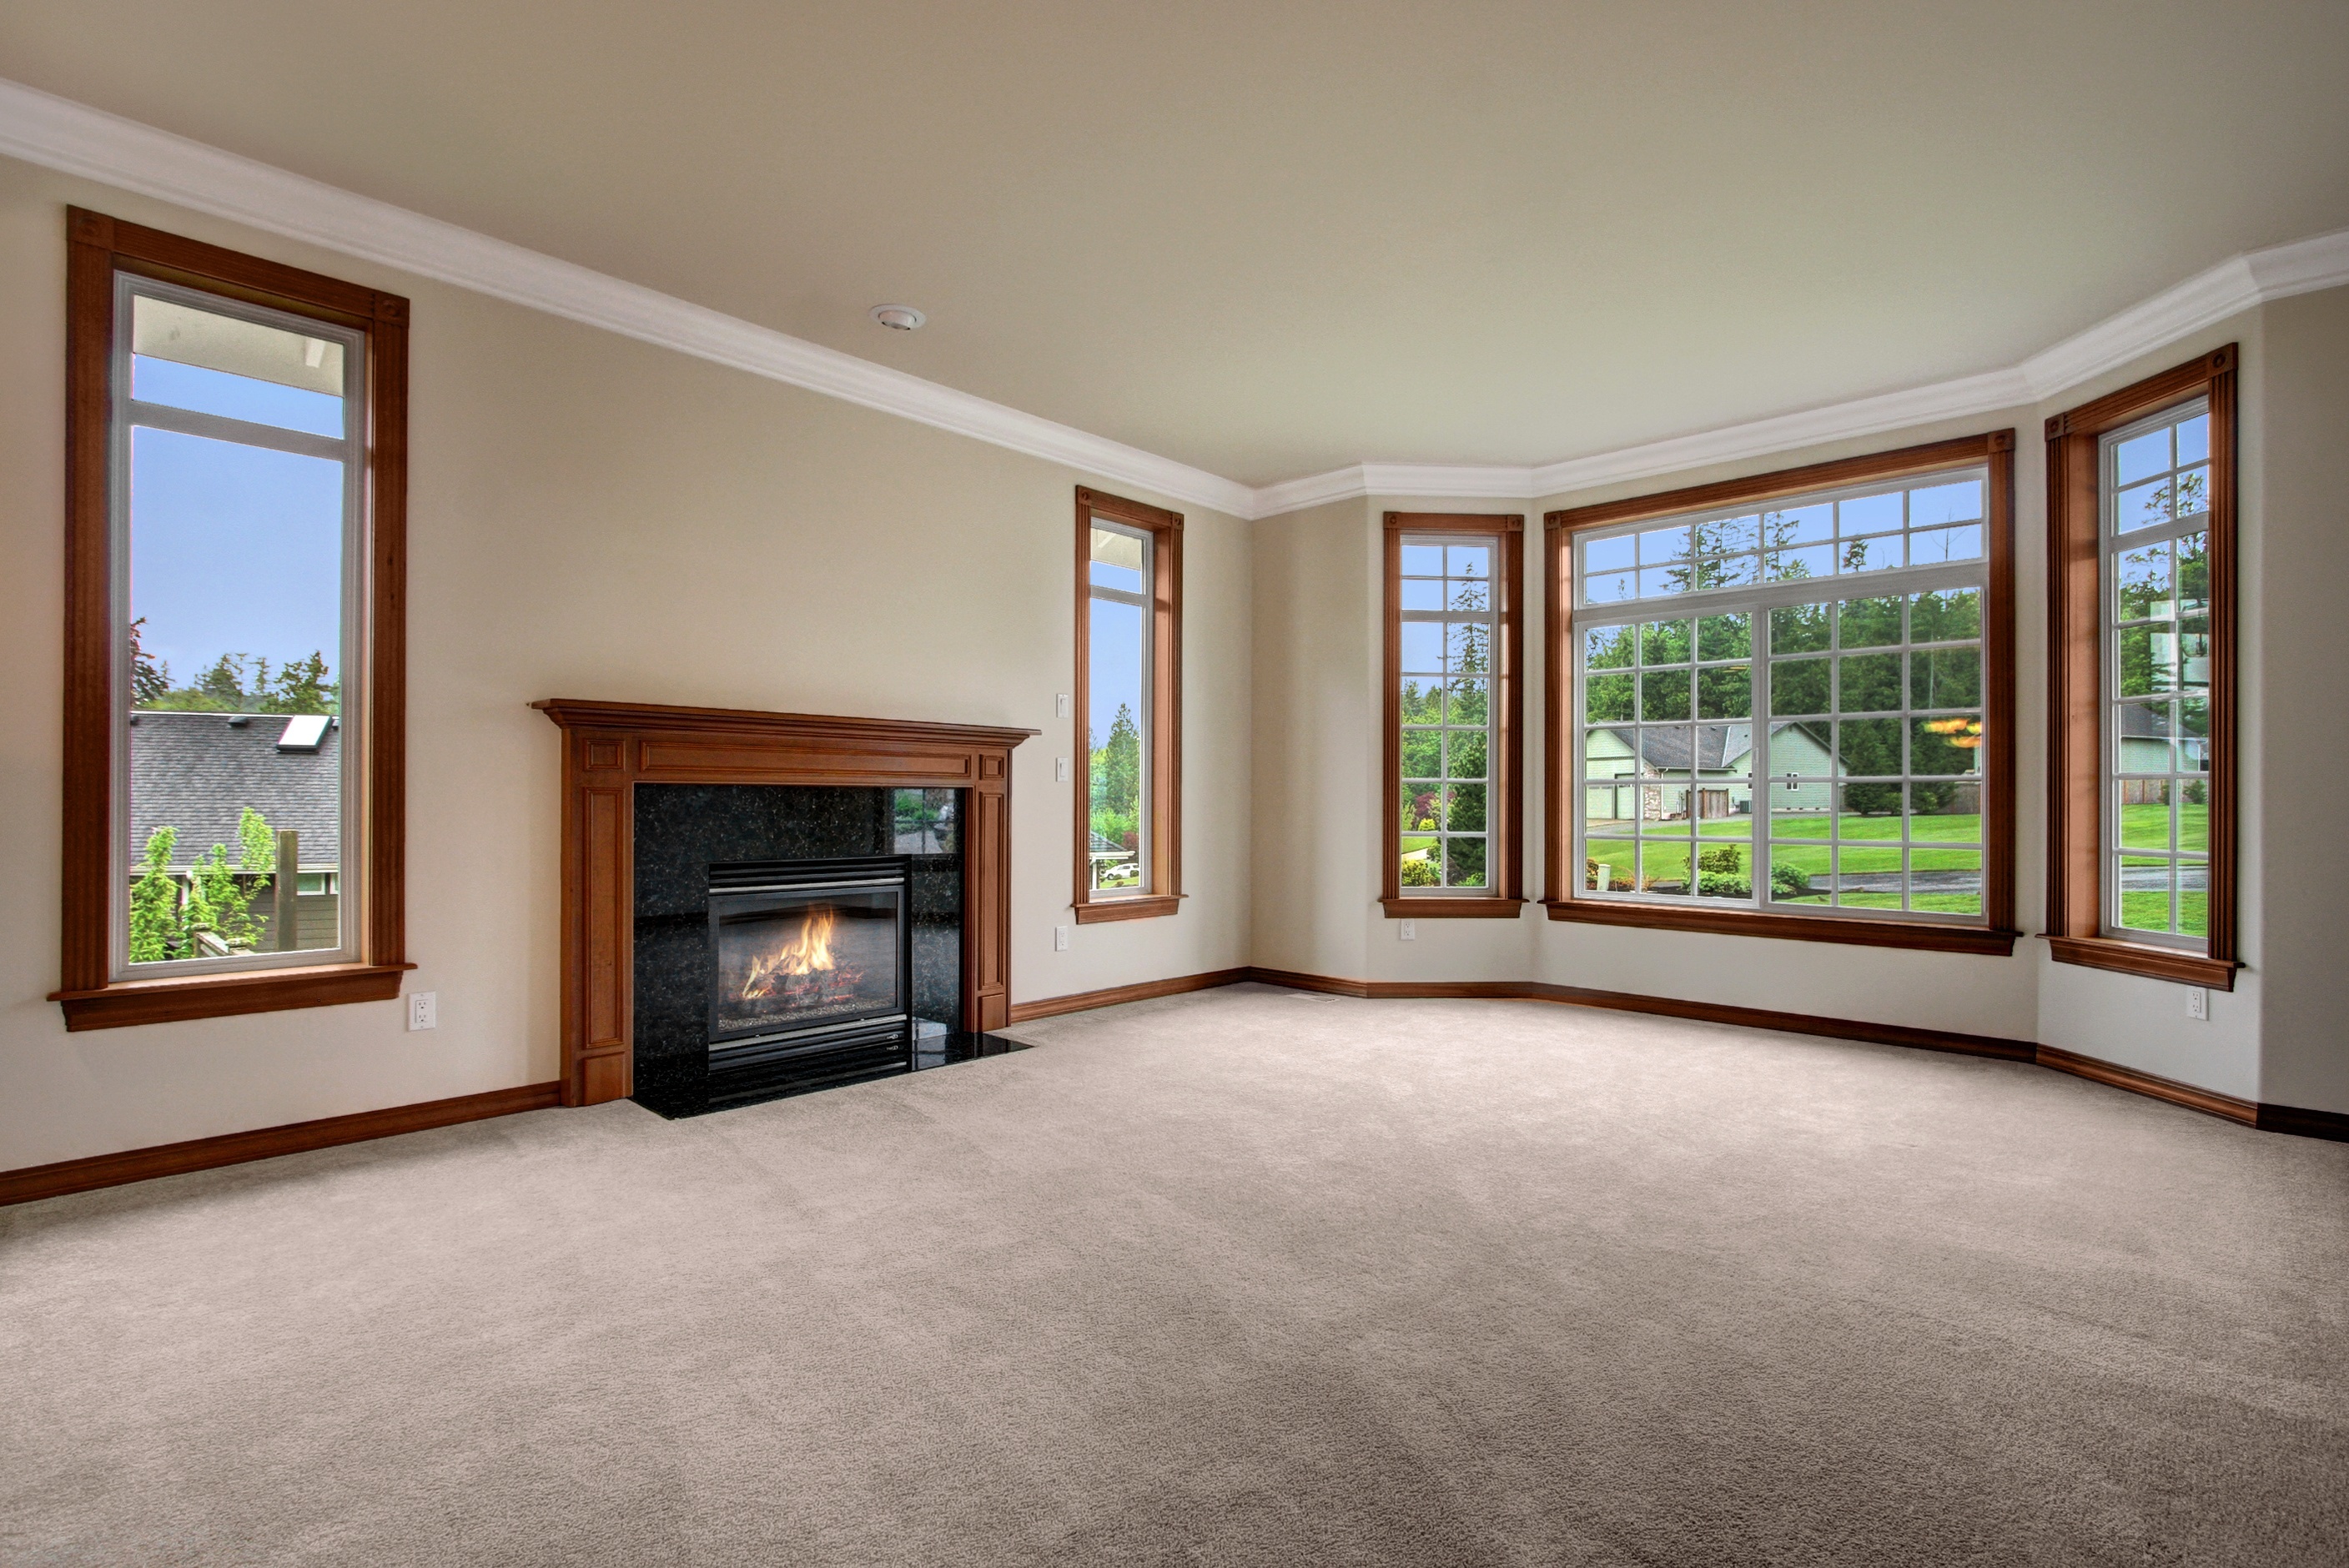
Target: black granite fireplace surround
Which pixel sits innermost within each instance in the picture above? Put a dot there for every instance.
(689, 835)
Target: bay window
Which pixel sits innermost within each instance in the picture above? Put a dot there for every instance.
(1783, 706)
(2141, 519)
(1453, 747)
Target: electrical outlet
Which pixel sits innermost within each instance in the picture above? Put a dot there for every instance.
(1065, 705)
(2197, 1003)
(1060, 769)
(423, 1010)
(1060, 939)
(1406, 931)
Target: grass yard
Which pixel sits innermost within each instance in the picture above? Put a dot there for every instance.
(2150, 912)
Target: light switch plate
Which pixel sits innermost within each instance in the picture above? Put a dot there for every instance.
(1060, 769)
(1065, 705)
(423, 1010)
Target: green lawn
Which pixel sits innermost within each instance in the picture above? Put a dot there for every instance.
(2150, 912)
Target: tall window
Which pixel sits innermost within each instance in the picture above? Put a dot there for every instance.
(2156, 735)
(2141, 521)
(1452, 763)
(234, 457)
(1129, 708)
(1785, 705)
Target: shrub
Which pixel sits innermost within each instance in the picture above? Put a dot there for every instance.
(1420, 872)
(1719, 884)
(1724, 859)
(1789, 881)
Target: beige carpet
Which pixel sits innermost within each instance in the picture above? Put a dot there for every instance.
(1244, 1277)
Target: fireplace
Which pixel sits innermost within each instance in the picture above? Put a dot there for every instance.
(655, 797)
(810, 955)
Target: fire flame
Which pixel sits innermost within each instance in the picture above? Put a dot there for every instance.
(808, 954)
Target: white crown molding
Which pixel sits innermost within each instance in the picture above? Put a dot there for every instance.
(74, 138)
(2233, 287)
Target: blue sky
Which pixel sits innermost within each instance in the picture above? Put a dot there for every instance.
(234, 548)
(1113, 667)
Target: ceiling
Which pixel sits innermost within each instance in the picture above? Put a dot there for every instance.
(1271, 239)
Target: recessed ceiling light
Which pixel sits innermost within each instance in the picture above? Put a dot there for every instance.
(902, 317)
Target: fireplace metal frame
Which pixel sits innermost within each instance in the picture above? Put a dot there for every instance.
(802, 881)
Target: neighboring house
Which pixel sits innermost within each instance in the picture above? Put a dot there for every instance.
(1715, 759)
(197, 772)
(1113, 865)
(2144, 749)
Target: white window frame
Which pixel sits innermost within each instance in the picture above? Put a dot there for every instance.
(1495, 544)
(1758, 600)
(2111, 545)
(1144, 719)
(350, 450)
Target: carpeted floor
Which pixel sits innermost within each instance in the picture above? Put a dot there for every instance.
(1250, 1276)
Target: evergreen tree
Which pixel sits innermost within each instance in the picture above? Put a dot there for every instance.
(1116, 779)
(150, 678)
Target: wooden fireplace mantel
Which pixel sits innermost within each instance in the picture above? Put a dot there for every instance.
(610, 747)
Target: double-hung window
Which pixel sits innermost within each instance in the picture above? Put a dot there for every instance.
(1454, 809)
(1128, 770)
(2141, 533)
(233, 695)
(1784, 705)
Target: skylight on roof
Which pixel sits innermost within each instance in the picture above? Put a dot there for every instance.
(303, 732)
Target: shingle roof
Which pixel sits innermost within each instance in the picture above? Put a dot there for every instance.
(1716, 745)
(198, 771)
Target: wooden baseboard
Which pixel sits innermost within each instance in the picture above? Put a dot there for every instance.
(66, 1176)
(1084, 1001)
(2267, 1118)
(1663, 1006)
(2291, 1119)
(37, 1182)
(2210, 1102)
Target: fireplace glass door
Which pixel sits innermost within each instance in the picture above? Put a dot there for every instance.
(807, 962)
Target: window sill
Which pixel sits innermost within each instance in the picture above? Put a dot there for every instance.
(1790, 927)
(183, 998)
(2145, 959)
(1142, 906)
(1432, 908)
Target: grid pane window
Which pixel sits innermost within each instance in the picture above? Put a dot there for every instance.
(1781, 707)
(1448, 623)
(2156, 577)
(239, 476)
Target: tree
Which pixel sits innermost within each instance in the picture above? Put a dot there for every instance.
(1116, 779)
(156, 932)
(219, 897)
(239, 683)
(151, 677)
(303, 687)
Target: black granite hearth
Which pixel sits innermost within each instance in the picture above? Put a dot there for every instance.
(682, 829)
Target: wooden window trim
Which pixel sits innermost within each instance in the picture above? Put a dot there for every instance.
(1505, 855)
(2076, 676)
(1166, 894)
(98, 246)
(1994, 450)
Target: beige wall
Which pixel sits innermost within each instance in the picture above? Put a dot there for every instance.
(1318, 835)
(2302, 711)
(594, 518)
